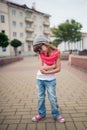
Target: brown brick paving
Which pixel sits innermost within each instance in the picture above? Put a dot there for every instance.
(18, 98)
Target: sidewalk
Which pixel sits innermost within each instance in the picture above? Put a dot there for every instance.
(18, 98)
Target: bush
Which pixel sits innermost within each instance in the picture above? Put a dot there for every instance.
(4, 41)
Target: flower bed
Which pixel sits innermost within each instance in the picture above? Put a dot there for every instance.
(64, 56)
(79, 61)
(5, 61)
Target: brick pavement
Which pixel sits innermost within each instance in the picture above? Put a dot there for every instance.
(18, 99)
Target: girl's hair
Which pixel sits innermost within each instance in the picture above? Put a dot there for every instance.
(50, 48)
(37, 48)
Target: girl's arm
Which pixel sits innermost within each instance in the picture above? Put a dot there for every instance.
(46, 68)
(55, 70)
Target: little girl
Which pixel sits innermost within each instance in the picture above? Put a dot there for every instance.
(49, 64)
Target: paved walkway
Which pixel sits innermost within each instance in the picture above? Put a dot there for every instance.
(18, 99)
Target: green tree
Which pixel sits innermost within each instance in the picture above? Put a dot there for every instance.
(15, 43)
(4, 41)
(69, 31)
(56, 42)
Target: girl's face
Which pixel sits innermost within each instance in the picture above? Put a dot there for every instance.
(44, 49)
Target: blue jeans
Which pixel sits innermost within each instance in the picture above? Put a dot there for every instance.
(50, 86)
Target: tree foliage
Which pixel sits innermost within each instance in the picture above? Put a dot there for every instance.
(69, 31)
(56, 42)
(15, 43)
(4, 41)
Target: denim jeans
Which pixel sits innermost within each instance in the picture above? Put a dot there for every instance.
(50, 87)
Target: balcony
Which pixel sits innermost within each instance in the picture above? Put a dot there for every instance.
(46, 23)
(46, 32)
(29, 29)
(29, 20)
(28, 39)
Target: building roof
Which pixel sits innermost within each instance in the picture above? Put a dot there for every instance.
(24, 6)
(17, 5)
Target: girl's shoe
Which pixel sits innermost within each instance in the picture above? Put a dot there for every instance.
(38, 118)
(60, 119)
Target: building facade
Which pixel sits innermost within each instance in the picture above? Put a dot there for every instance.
(22, 23)
(75, 47)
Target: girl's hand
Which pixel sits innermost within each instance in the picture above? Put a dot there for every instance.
(43, 71)
(42, 68)
(47, 67)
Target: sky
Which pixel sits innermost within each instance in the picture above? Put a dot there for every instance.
(61, 10)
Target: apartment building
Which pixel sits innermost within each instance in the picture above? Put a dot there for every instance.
(22, 23)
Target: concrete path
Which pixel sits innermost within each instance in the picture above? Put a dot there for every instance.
(18, 98)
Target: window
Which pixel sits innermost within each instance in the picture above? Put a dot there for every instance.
(29, 35)
(22, 47)
(35, 35)
(14, 34)
(35, 26)
(46, 28)
(3, 31)
(46, 20)
(28, 25)
(29, 46)
(3, 49)
(41, 28)
(21, 24)
(14, 23)
(40, 17)
(28, 15)
(34, 17)
(21, 34)
(13, 12)
(21, 14)
(2, 19)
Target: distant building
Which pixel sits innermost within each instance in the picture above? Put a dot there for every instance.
(22, 23)
(75, 47)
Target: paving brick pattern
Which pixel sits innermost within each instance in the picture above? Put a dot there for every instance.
(18, 98)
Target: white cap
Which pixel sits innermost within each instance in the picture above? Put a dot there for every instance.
(40, 39)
